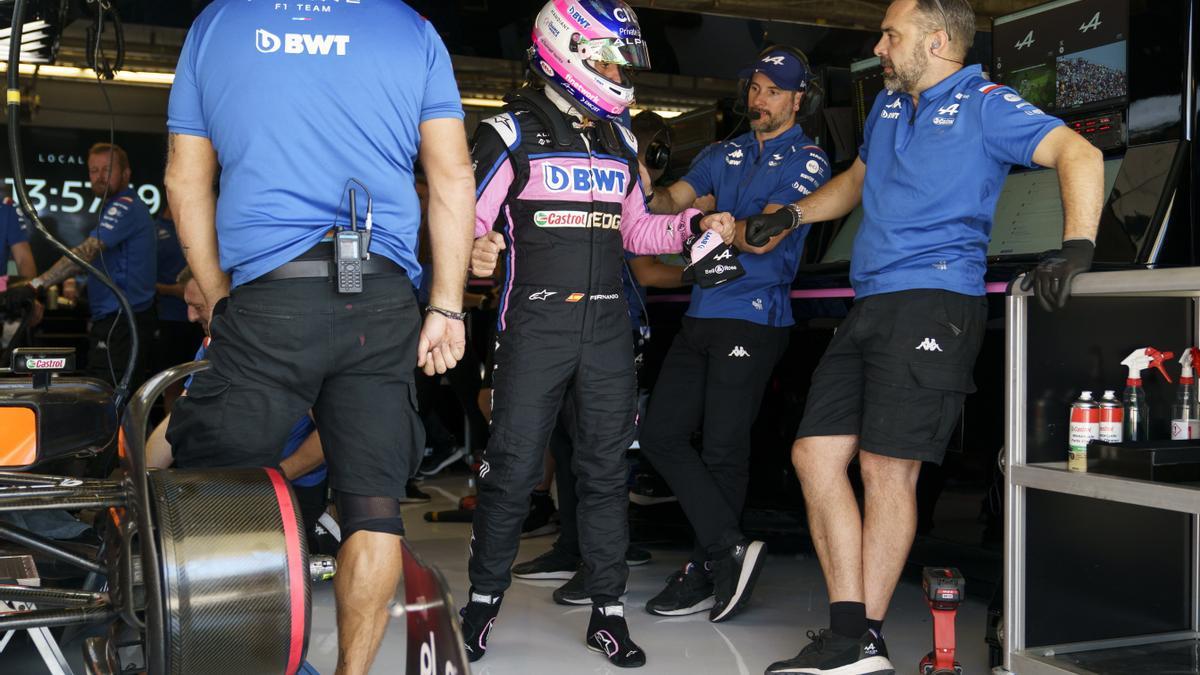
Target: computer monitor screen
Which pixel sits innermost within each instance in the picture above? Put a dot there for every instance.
(1066, 55)
(1028, 219)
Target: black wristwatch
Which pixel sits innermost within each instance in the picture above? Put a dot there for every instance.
(457, 316)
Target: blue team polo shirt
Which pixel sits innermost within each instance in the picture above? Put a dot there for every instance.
(296, 98)
(934, 173)
(170, 263)
(130, 255)
(12, 231)
(745, 180)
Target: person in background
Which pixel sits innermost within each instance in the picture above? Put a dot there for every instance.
(122, 245)
(14, 242)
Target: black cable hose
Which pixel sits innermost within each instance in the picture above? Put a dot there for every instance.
(18, 176)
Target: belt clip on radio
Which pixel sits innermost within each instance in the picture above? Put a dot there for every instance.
(350, 250)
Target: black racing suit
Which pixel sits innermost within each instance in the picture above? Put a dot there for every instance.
(568, 202)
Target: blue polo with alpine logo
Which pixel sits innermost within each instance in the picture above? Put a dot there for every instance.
(745, 179)
(253, 78)
(130, 255)
(934, 173)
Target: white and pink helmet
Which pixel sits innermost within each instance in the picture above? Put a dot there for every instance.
(570, 34)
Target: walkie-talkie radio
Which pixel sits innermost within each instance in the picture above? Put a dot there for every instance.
(349, 251)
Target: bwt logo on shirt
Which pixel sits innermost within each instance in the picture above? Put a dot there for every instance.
(300, 43)
(579, 179)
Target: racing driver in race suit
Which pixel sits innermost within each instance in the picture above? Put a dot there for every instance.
(559, 199)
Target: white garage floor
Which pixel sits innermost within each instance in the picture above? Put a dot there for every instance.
(534, 636)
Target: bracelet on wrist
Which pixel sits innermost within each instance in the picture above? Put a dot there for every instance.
(449, 314)
(797, 215)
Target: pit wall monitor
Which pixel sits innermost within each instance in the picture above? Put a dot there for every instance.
(1066, 56)
(866, 78)
(1028, 219)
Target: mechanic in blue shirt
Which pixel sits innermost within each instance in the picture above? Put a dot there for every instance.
(293, 115)
(301, 462)
(14, 242)
(938, 144)
(733, 334)
(176, 338)
(122, 246)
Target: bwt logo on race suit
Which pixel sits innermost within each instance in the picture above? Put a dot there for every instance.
(604, 221)
(585, 180)
(300, 43)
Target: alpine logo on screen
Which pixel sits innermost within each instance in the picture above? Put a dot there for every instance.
(1066, 56)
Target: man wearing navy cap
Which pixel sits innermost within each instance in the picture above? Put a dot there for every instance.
(938, 145)
(731, 338)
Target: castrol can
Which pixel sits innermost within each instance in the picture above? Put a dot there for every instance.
(1112, 418)
(1085, 427)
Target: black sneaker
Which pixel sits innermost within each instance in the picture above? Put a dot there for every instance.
(733, 579)
(636, 555)
(439, 459)
(574, 592)
(833, 654)
(477, 619)
(649, 489)
(414, 494)
(552, 564)
(542, 518)
(688, 591)
(609, 634)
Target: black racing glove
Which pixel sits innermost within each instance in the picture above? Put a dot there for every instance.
(17, 301)
(1051, 279)
(760, 228)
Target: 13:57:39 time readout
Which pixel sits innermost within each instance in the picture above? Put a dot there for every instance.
(74, 194)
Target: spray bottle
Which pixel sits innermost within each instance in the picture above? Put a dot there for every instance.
(1137, 409)
(1185, 422)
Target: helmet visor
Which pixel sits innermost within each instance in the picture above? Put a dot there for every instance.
(624, 52)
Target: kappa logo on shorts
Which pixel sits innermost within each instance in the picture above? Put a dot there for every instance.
(739, 352)
(929, 345)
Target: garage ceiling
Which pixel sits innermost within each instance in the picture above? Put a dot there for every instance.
(858, 14)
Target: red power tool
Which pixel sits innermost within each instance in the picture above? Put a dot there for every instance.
(944, 587)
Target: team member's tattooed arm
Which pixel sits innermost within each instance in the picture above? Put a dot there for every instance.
(65, 267)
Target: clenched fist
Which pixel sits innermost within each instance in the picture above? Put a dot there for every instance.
(721, 223)
(485, 252)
